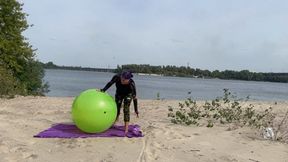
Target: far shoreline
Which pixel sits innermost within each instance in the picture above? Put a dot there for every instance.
(160, 75)
(183, 71)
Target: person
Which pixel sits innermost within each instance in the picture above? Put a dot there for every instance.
(125, 92)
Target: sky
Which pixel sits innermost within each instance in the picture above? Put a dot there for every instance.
(205, 34)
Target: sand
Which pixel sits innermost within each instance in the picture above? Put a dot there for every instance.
(23, 117)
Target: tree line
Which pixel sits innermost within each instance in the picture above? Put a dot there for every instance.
(51, 65)
(184, 71)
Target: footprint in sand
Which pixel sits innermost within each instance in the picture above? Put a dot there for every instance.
(147, 154)
(27, 155)
(18, 149)
(174, 135)
(5, 112)
(69, 143)
(151, 149)
(108, 158)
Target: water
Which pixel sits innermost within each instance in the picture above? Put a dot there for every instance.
(70, 83)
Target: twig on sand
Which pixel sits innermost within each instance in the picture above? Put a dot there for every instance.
(283, 121)
(194, 150)
(254, 160)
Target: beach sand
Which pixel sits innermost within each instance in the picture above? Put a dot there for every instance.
(23, 117)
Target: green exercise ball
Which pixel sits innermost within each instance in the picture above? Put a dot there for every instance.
(94, 111)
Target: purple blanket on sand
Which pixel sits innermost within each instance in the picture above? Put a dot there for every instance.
(71, 131)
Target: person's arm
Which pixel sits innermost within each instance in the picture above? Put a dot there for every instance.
(109, 84)
(135, 101)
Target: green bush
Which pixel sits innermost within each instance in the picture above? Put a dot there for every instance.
(8, 84)
(224, 110)
(27, 83)
(31, 78)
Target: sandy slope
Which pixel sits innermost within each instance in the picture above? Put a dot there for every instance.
(23, 117)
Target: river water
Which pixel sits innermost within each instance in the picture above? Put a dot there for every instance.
(65, 83)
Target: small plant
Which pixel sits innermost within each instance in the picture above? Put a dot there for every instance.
(181, 116)
(223, 110)
(158, 96)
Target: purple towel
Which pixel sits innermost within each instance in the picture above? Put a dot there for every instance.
(71, 131)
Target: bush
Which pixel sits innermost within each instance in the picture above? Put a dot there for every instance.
(8, 84)
(28, 82)
(31, 78)
(223, 110)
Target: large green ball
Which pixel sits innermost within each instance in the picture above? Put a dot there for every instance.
(94, 111)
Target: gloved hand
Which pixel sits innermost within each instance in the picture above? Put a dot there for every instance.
(101, 90)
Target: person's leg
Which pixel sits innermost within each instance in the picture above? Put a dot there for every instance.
(118, 100)
(126, 110)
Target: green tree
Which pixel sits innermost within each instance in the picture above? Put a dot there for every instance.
(17, 57)
(216, 74)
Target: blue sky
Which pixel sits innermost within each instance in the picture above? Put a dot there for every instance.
(206, 34)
